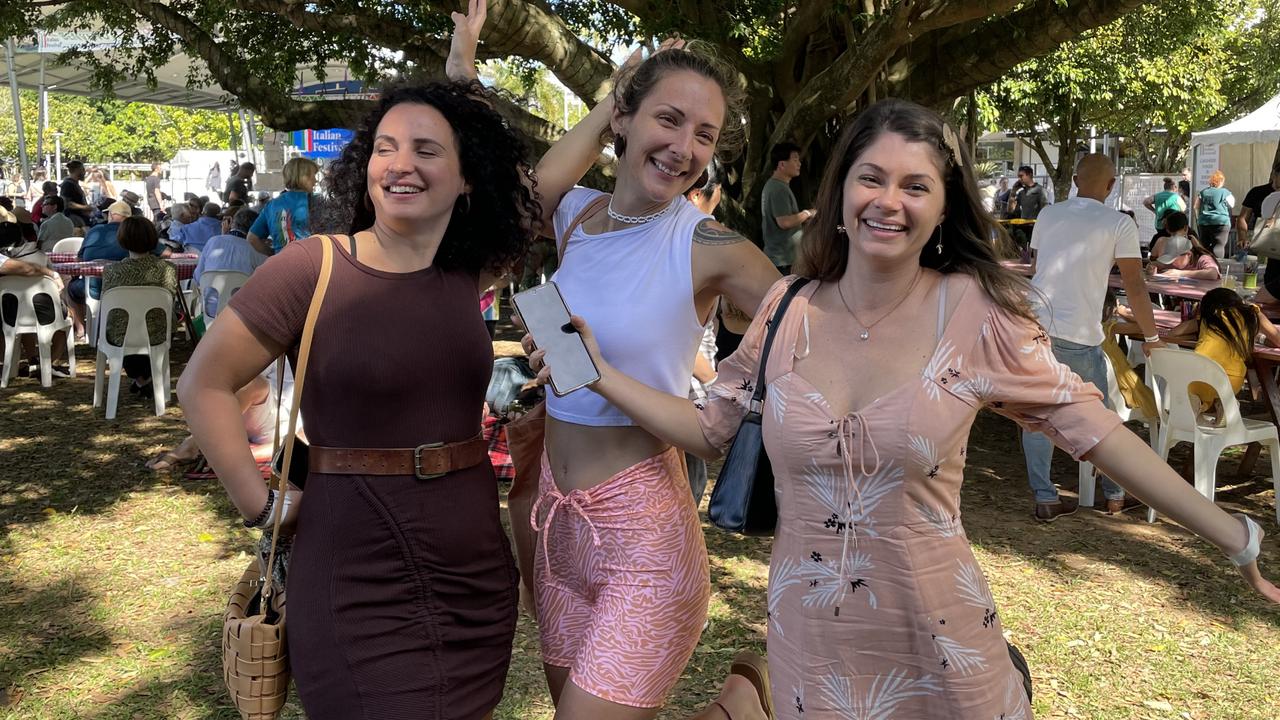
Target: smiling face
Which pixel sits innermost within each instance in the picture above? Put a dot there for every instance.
(894, 197)
(414, 172)
(670, 138)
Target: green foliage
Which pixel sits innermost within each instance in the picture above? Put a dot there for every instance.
(110, 130)
(1166, 69)
(540, 94)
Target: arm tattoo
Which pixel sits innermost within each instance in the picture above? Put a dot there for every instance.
(710, 232)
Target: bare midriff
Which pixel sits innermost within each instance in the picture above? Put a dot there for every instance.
(583, 456)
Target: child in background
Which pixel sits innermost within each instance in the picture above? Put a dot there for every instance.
(1224, 329)
(1180, 254)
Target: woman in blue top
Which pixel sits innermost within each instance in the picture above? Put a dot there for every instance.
(288, 216)
(1214, 205)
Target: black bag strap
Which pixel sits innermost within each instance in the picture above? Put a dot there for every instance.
(757, 397)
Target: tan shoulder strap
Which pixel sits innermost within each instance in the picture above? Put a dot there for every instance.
(304, 354)
(591, 209)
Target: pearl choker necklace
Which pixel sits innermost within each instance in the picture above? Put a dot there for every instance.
(637, 219)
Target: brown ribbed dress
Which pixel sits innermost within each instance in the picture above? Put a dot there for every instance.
(402, 592)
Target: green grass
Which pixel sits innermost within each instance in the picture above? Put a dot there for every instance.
(113, 581)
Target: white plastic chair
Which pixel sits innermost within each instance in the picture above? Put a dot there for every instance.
(26, 289)
(226, 283)
(136, 301)
(1088, 481)
(68, 245)
(1178, 369)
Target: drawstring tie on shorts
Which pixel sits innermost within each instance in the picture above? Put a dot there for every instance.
(575, 500)
(846, 428)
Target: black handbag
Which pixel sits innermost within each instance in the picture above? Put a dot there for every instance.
(742, 500)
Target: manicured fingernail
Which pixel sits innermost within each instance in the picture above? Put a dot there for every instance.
(568, 328)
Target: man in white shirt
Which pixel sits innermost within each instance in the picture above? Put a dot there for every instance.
(1076, 243)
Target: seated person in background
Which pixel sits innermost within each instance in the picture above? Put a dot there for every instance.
(194, 235)
(10, 235)
(139, 239)
(1180, 255)
(1224, 328)
(99, 244)
(229, 251)
(37, 206)
(258, 405)
(56, 225)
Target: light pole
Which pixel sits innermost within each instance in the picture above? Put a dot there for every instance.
(57, 156)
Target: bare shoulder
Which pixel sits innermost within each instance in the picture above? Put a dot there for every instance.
(710, 232)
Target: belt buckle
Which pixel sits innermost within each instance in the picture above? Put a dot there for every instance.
(417, 461)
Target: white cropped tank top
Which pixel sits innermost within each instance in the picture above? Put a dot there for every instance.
(635, 287)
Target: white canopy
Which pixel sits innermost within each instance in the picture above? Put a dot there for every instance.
(1260, 126)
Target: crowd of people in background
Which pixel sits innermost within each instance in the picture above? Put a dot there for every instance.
(905, 324)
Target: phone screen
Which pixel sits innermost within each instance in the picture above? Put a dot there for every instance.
(545, 314)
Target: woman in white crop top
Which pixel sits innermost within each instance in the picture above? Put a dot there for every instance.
(621, 575)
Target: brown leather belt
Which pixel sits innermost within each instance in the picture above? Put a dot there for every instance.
(424, 462)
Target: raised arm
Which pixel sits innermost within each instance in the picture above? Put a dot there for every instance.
(573, 154)
(461, 63)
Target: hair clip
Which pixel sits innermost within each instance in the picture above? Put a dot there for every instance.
(951, 144)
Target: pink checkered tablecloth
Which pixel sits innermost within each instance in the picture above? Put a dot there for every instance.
(186, 266)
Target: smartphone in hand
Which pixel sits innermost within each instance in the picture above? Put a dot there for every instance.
(546, 316)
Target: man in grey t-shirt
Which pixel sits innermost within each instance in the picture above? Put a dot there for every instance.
(781, 218)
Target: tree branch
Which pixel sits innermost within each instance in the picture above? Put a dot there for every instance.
(832, 91)
(529, 29)
(979, 53)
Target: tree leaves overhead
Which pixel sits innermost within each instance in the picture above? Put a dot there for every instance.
(807, 63)
(1153, 77)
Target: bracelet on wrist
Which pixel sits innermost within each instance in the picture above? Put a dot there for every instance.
(1151, 338)
(1252, 547)
(266, 511)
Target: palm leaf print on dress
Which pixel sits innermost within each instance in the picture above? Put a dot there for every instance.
(881, 700)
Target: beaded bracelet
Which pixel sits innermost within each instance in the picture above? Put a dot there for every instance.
(1253, 547)
(266, 512)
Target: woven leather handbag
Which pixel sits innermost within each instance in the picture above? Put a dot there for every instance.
(255, 660)
(742, 500)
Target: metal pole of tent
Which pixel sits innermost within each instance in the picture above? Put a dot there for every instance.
(42, 111)
(17, 113)
(247, 138)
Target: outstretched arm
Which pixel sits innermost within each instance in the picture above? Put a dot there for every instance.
(673, 419)
(1129, 461)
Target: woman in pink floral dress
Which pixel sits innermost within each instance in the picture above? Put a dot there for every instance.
(877, 608)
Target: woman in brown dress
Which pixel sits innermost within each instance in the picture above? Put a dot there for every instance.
(402, 589)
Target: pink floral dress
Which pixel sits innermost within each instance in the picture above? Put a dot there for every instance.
(877, 608)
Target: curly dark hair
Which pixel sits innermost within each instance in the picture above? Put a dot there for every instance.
(489, 232)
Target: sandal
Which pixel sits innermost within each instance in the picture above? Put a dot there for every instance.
(167, 461)
(756, 670)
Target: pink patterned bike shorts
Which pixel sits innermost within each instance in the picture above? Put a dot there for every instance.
(622, 580)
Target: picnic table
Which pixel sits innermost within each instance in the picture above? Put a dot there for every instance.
(1265, 359)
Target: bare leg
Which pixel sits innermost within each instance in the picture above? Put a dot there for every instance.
(737, 701)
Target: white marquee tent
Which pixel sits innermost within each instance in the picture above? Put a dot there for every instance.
(1244, 150)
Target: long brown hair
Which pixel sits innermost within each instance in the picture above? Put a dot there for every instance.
(972, 241)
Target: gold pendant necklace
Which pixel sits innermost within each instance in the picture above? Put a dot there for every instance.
(866, 327)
